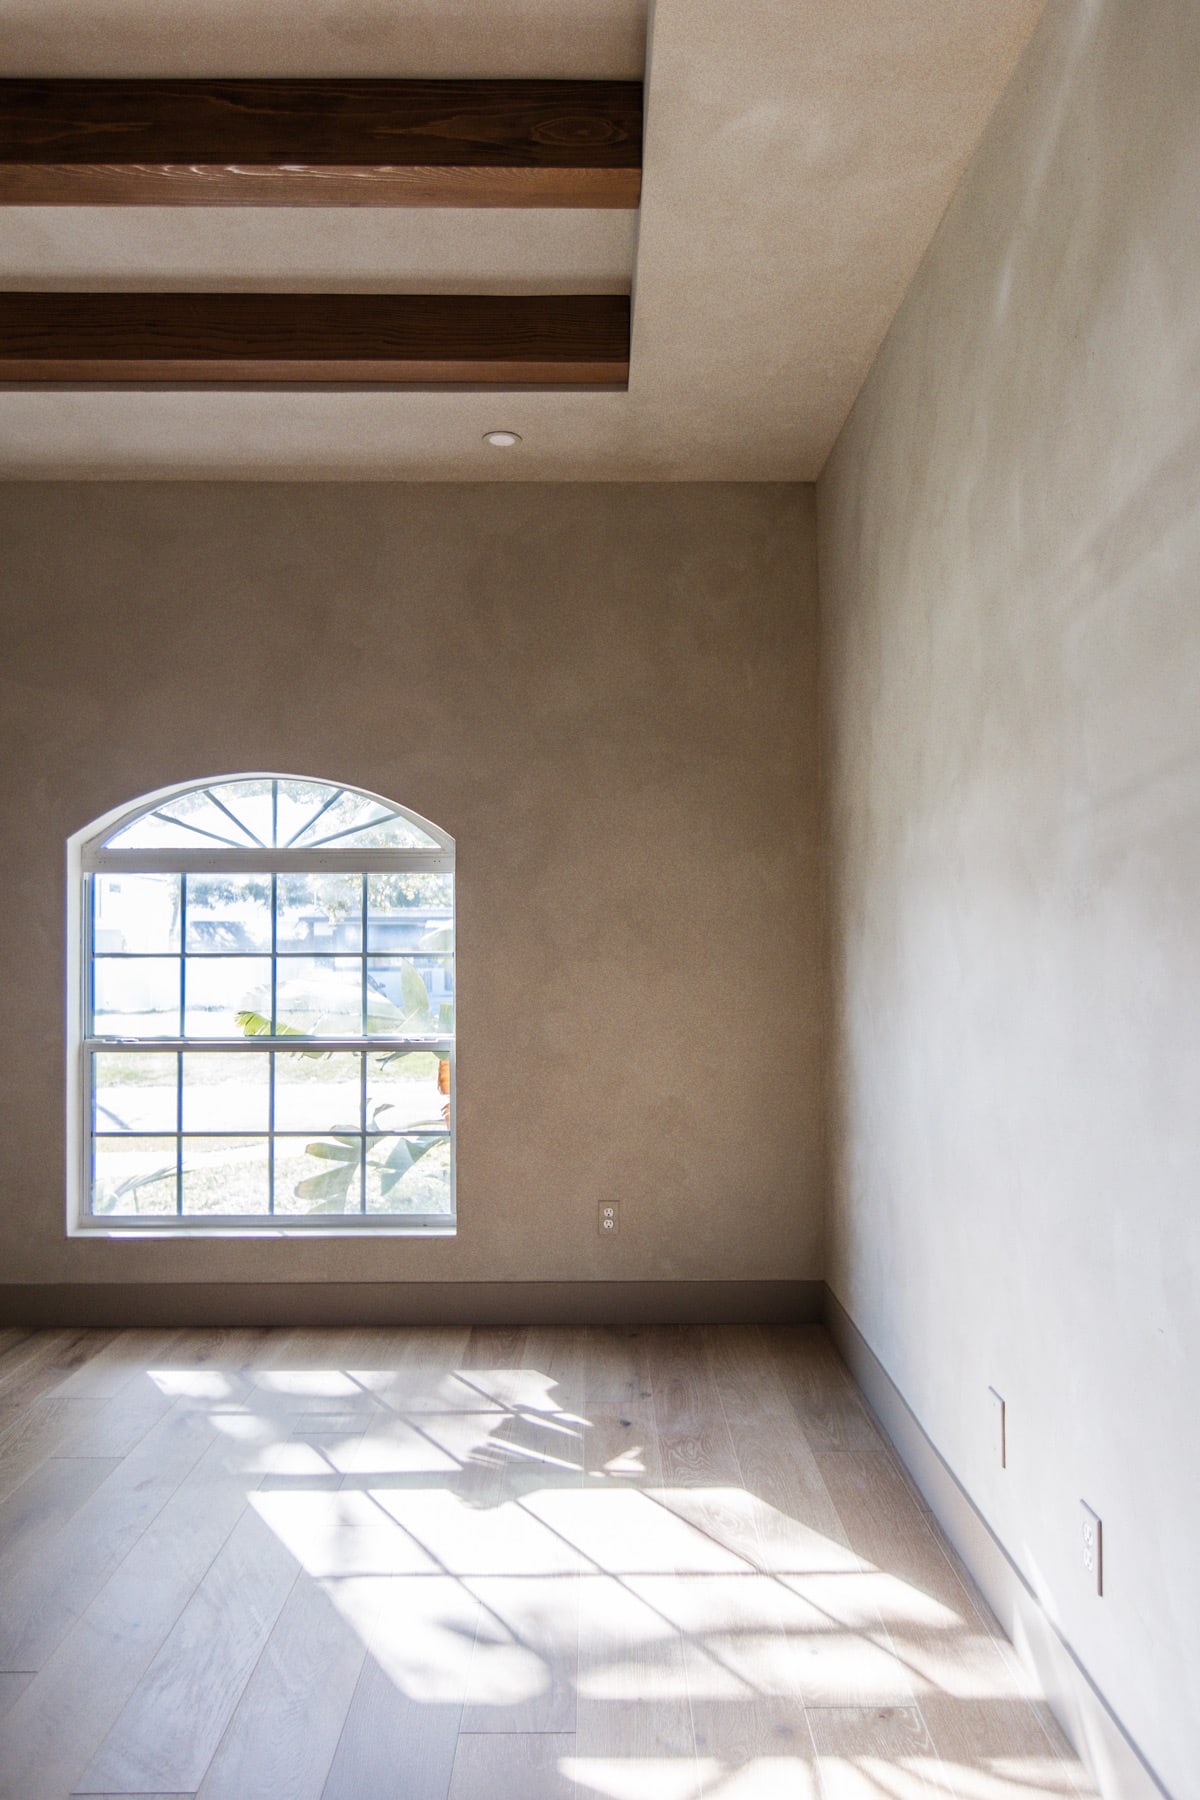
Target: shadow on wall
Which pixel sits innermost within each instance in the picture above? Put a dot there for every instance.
(419, 1573)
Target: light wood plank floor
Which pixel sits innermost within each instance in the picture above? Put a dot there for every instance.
(660, 1564)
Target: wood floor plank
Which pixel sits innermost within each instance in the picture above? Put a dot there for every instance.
(885, 1526)
(756, 1631)
(620, 1442)
(10, 1337)
(427, 1349)
(55, 1575)
(701, 1479)
(857, 1747)
(401, 1730)
(340, 1536)
(44, 1502)
(238, 1348)
(693, 1438)
(13, 1683)
(172, 1724)
(512, 1439)
(937, 1627)
(56, 1726)
(116, 1426)
(30, 1434)
(368, 1347)
(633, 1705)
(625, 1530)
(496, 1347)
(617, 1365)
(44, 1360)
(525, 1660)
(517, 1580)
(29, 1350)
(758, 1748)
(528, 1764)
(295, 1392)
(561, 1355)
(945, 1652)
(830, 1408)
(320, 1444)
(428, 1447)
(466, 1537)
(124, 1358)
(829, 1404)
(974, 1737)
(533, 1444)
(393, 1745)
(294, 1386)
(798, 1525)
(839, 1646)
(420, 1372)
(333, 1350)
(281, 1740)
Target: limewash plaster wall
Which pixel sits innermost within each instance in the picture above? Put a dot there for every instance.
(1010, 582)
(607, 694)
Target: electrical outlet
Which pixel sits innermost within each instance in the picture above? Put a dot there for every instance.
(999, 1428)
(1092, 1544)
(608, 1220)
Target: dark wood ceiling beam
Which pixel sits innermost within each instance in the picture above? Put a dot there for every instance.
(320, 143)
(264, 340)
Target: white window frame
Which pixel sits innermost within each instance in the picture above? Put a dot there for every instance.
(87, 857)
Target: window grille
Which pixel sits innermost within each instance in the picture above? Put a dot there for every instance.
(268, 1012)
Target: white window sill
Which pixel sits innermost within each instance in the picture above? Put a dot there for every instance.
(318, 1233)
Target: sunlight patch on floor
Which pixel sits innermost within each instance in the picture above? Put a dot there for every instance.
(1013, 1778)
(453, 1520)
(879, 1778)
(641, 1778)
(765, 1778)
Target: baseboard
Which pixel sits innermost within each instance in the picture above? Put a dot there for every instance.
(299, 1303)
(1117, 1766)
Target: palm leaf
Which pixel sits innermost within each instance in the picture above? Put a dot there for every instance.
(256, 1024)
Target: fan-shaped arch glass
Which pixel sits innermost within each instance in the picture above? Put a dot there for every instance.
(271, 812)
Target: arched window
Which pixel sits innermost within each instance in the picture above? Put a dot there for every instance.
(266, 1012)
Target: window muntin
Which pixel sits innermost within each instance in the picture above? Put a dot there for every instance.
(269, 1026)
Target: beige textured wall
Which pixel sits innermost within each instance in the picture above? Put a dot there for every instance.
(607, 694)
(1010, 548)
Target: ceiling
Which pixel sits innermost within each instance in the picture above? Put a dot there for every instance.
(798, 157)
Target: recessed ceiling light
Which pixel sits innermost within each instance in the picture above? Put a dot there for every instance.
(501, 440)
